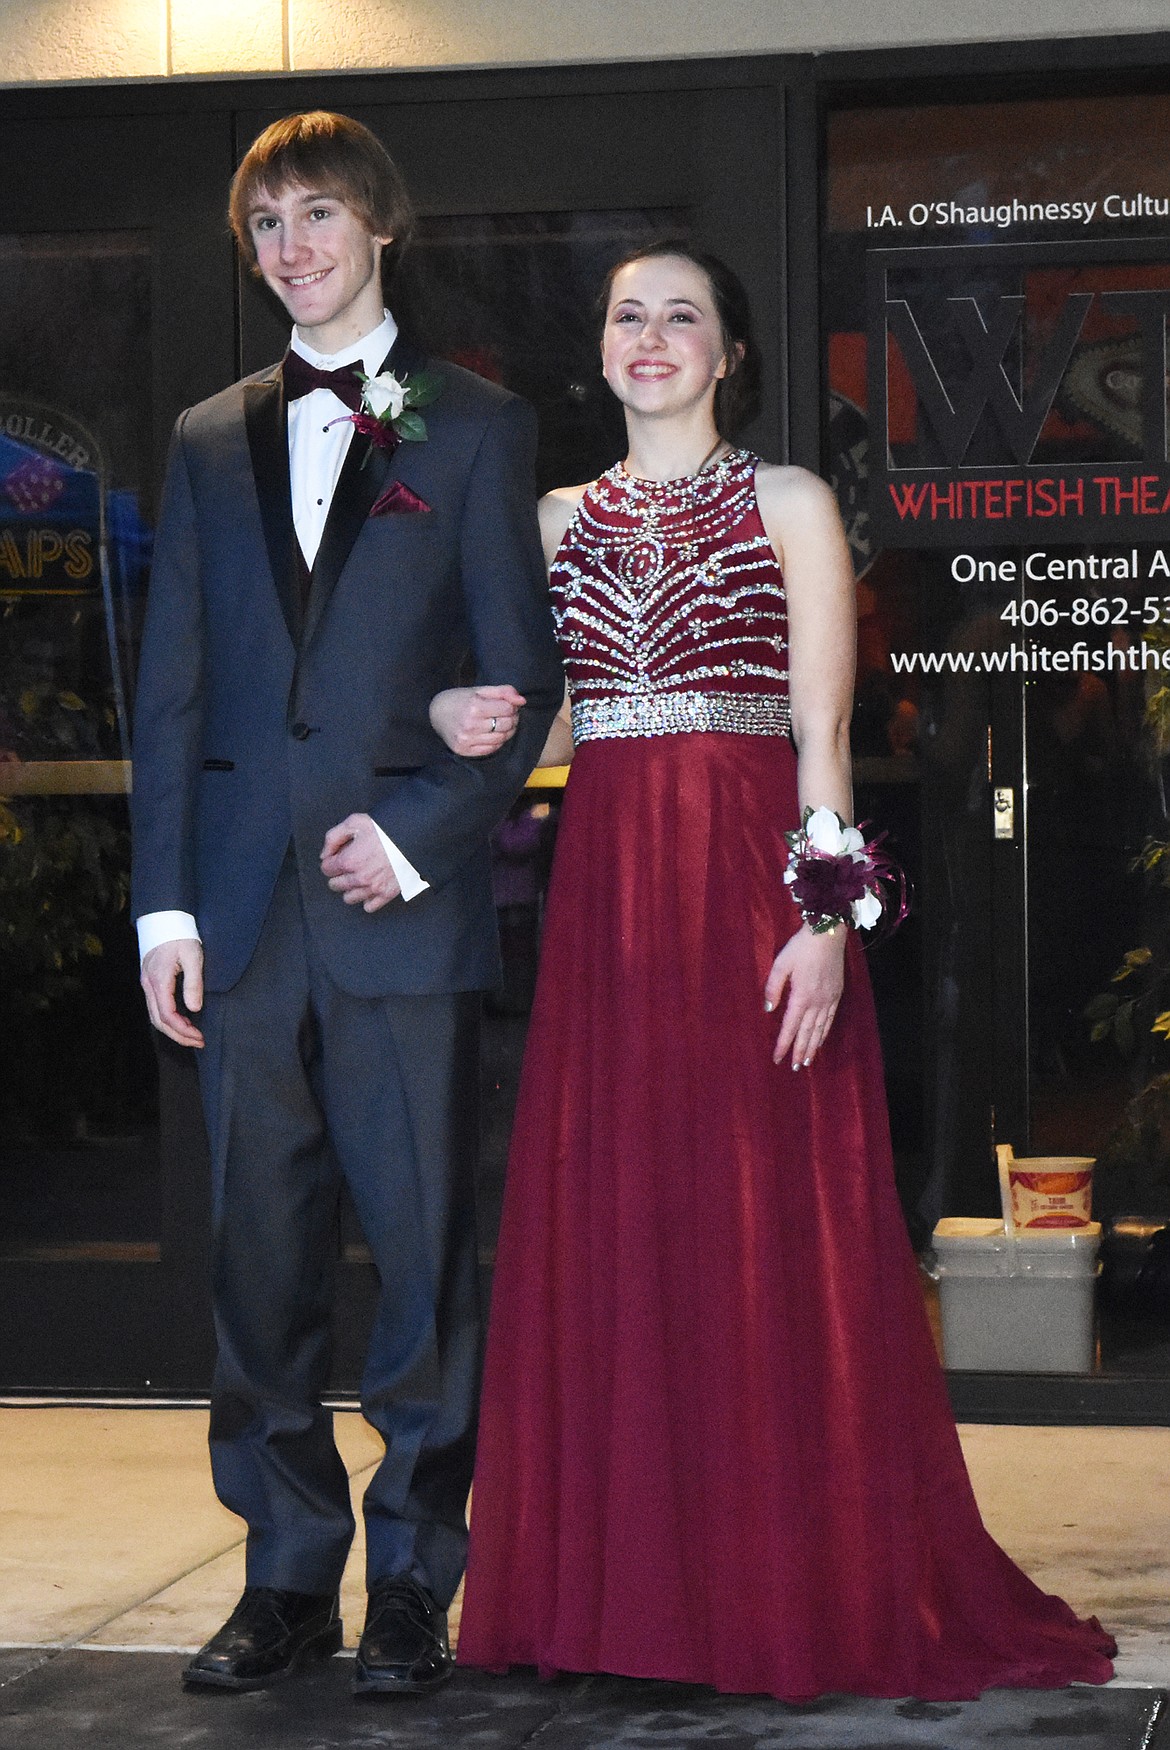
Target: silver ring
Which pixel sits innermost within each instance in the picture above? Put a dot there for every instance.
(492, 730)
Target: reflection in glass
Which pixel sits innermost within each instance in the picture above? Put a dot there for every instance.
(985, 170)
(983, 175)
(1075, 742)
(511, 295)
(78, 1142)
(1089, 808)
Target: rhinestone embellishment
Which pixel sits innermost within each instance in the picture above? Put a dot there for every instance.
(669, 605)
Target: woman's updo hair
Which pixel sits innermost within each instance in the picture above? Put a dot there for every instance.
(737, 395)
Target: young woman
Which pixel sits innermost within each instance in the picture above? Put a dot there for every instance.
(715, 1442)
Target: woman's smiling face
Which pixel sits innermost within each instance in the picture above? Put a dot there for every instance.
(663, 349)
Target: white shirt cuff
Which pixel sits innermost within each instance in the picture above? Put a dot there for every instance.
(407, 876)
(157, 927)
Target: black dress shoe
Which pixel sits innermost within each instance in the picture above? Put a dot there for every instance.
(404, 1648)
(269, 1635)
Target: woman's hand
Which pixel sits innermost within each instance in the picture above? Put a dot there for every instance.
(475, 721)
(811, 969)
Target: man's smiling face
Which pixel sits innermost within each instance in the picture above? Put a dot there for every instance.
(322, 263)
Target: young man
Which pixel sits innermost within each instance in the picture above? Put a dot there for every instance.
(311, 877)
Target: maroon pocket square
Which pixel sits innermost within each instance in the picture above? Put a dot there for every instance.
(397, 500)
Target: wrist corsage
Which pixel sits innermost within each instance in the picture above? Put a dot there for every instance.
(837, 877)
(389, 412)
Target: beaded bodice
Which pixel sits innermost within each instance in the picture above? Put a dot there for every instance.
(669, 606)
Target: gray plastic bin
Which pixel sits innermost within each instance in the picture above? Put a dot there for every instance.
(1022, 1304)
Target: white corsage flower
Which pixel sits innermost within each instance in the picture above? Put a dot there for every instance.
(385, 396)
(826, 833)
(867, 910)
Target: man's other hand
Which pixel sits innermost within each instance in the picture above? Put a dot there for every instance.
(355, 864)
(162, 970)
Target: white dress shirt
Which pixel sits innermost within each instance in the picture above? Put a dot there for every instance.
(319, 435)
(319, 432)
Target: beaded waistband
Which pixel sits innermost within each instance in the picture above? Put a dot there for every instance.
(681, 714)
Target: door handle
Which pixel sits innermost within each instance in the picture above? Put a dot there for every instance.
(1003, 811)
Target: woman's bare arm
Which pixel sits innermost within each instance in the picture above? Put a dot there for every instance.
(802, 521)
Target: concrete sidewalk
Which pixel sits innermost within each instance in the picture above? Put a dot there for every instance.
(116, 1558)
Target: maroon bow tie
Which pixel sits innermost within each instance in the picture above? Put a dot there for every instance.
(301, 378)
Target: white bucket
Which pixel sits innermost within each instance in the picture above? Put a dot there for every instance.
(1016, 1303)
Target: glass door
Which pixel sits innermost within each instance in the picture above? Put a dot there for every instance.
(115, 305)
(995, 301)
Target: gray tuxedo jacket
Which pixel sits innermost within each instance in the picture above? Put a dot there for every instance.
(259, 721)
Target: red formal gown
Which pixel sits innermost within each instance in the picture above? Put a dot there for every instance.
(715, 1443)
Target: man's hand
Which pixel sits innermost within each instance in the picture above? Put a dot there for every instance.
(162, 969)
(355, 864)
(811, 969)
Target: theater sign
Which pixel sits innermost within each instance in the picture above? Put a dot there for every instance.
(1017, 392)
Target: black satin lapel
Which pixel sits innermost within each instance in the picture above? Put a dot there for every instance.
(268, 444)
(403, 359)
(358, 485)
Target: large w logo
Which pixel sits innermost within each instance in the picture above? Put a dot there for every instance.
(954, 413)
(985, 376)
(954, 410)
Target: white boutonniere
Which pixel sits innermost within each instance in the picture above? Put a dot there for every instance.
(389, 412)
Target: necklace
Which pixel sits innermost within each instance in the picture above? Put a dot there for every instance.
(686, 482)
(710, 456)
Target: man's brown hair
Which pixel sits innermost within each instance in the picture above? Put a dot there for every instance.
(327, 154)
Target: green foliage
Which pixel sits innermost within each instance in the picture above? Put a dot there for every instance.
(63, 871)
(1133, 1167)
(1157, 716)
(1128, 1019)
(423, 388)
(1154, 859)
(411, 426)
(63, 860)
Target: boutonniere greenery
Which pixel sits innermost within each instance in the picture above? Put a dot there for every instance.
(389, 412)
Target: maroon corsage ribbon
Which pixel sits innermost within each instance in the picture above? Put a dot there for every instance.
(381, 433)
